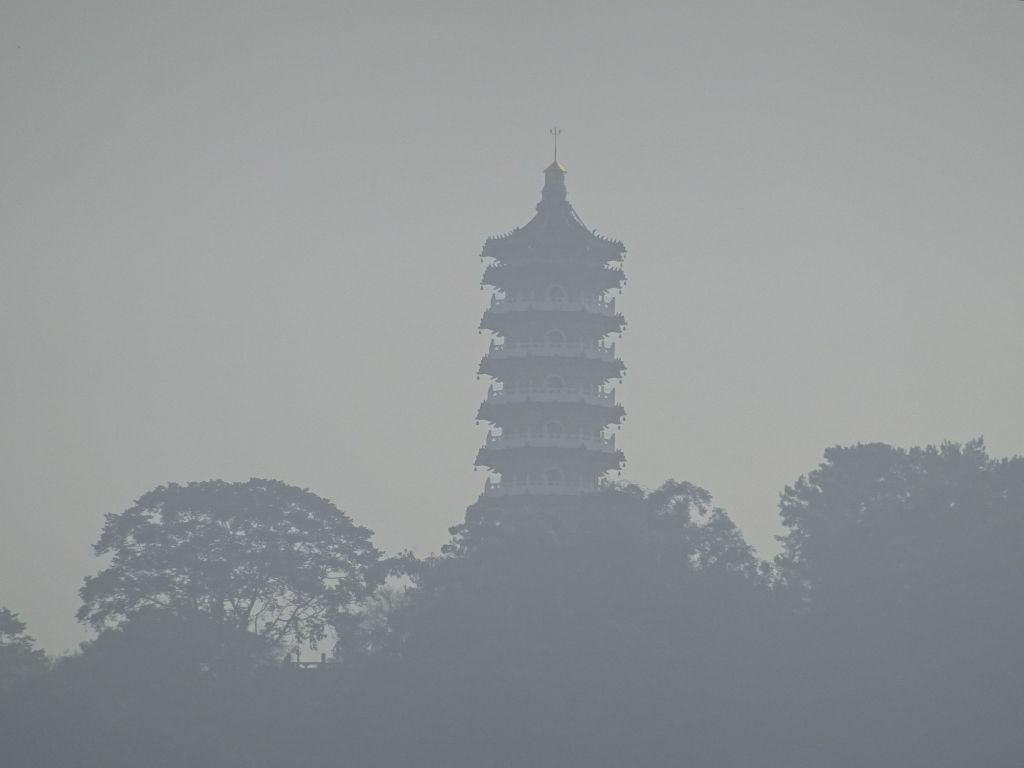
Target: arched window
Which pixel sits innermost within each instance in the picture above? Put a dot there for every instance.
(555, 338)
(556, 293)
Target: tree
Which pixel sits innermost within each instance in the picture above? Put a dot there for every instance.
(612, 631)
(877, 525)
(18, 654)
(261, 556)
(163, 691)
(907, 578)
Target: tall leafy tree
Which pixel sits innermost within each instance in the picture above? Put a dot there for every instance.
(261, 556)
(907, 576)
(877, 525)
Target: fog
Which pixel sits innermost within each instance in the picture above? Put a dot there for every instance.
(241, 240)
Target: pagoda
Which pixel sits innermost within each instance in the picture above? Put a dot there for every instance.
(550, 405)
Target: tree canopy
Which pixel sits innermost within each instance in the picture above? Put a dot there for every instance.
(261, 555)
(18, 654)
(625, 628)
(576, 636)
(906, 568)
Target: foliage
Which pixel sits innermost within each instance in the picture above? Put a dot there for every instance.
(259, 555)
(18, 654)
(574, 636)
(626, 628)
(906, 568)
(164, 691)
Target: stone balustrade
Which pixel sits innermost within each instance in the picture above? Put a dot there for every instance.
(543, 395)
(601, 444)
(499, 351)
(513, 304)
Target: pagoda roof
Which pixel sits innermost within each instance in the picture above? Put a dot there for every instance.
(555, 224)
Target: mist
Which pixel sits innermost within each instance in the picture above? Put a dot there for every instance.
(306, 355)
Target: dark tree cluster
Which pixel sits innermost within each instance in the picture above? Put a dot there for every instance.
(638, 629)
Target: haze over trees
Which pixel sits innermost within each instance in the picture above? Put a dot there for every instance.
(260, 555)
(906, 567)
(637, 630)
(18, 655)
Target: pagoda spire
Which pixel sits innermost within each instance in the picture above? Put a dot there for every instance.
(554, 190)
(554, 176)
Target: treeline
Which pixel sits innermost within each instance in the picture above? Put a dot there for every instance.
(638, 629)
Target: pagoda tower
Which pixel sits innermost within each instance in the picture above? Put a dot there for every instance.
(550, 404)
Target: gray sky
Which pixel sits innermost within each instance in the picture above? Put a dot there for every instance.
(240, 239)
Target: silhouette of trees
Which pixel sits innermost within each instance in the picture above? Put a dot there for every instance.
(624, 628)
(905, 567)
(18, 654)
(261, 555)
(885, 524)
(612, 633)
(164, 691)
(22, 676)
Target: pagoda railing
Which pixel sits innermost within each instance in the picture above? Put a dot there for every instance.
(602, 444)
(544, 395)
(597, 306)
(519, 488)
(499, 265)
(550, 349)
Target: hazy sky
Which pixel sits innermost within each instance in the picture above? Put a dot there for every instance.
(240, 239)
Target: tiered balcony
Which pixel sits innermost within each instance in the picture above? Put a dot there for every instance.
(599, 351)
(539, 487)
(599, 444)
(596, 306)
(544, 395)
(601, 276)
